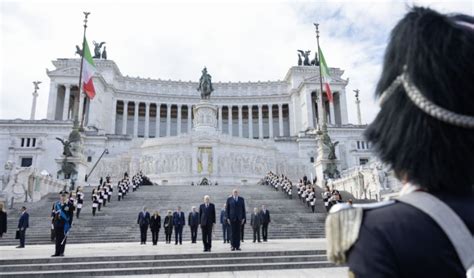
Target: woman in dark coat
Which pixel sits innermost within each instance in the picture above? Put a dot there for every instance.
(155, 225)
(3, 221)
(168, 225)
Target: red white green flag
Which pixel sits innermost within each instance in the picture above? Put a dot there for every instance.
(88, 70)
(326, 76)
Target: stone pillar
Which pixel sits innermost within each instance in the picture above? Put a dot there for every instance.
(332, 119)
(270, 120)
(280, 119)
(190, 124)
(81, 106)
(320, 110)
(33, 105)
(114, 115)
(250, 121)
(158, 120)
(53, 97)
(230, 120)
(309, 110)
(178, 124)
(168, 119)
(240, 121)
(147, 119)
(220, 118)
(124, 118)
(260, 122)
(67, 96)
(359, 115)
(135, 120)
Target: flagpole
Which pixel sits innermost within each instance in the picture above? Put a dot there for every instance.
(76, 120)
(320, 78)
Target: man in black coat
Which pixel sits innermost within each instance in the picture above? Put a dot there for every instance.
(3, 221)
(193, 222)
(178, 223)
(144, 221)
(265, 221)
(207, 219)
(235, 213)
(23, 224)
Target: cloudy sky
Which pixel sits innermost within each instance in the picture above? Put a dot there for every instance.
(236, 40)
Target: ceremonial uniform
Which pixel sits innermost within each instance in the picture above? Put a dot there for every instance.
(395, 239)
(62, 213)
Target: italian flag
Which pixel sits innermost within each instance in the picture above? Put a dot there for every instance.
(88, 70)
(326, 76)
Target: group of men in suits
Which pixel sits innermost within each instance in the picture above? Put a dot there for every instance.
(235, 217)
(259, 220)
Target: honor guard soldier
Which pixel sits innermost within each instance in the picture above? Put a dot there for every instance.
(62, 213)
(80, 200)
(95, 201)
(425, 133)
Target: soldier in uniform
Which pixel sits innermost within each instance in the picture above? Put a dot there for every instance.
(62, 213)
(425, 132)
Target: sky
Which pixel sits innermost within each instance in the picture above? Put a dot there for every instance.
(236, 40)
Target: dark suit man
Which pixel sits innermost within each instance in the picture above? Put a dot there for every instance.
(207, 219)
(193, 222)
(265, 221)
(235, 213)
(225, 226)
(178, 223)
(144, 221)
(23, 224)
(256, 223)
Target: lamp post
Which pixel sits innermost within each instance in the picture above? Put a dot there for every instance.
(106, 151)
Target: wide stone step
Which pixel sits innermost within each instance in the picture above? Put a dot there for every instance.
(157, 264)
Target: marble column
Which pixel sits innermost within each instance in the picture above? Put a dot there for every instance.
(320, 110)
(190, 120)
(67, 96)
(33, 105)
(135, 120)
(230, 120)
(124, 118)
(332, 118)
(250, 121)
(240, 120)
(280, 119)
(178, 124)
(114, 116)
(168, 120)
(53, 98)
(220, 118)
(260, 122)
(81, 106)
(270, 121)
(158, 120)
(147, 120)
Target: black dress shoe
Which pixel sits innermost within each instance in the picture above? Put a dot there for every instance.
(54, 255)
(232, 249)
(238, 249)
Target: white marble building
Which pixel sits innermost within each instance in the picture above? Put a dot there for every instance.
(148, 124)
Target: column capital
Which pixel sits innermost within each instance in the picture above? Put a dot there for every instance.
(67, 86)
(147, 103)
(169, 105)
(259, 106)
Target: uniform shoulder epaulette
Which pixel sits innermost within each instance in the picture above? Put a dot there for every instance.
(342, 227)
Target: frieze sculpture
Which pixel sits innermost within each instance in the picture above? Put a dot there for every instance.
(205, 85)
